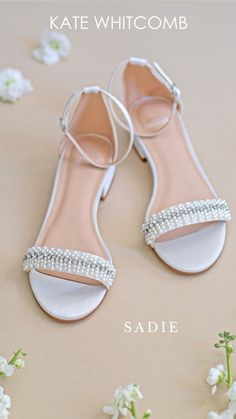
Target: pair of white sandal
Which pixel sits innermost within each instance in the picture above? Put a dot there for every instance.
(70, 267)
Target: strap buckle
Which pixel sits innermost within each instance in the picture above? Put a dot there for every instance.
(176, 93)
(63, 124)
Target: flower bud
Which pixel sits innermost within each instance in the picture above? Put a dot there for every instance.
(19, 363)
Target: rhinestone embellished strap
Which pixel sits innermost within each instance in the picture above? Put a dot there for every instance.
(70, 261)
(185, 214)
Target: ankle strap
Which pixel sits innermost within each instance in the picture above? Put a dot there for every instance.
(160, 74)
(64, 123)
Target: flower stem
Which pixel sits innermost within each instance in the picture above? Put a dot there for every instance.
(229, 368)
(133, 410)
(225, 343)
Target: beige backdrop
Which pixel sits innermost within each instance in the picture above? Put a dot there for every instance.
(72, 369)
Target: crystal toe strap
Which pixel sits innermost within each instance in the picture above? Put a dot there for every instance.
(185, 214)
(70, 261)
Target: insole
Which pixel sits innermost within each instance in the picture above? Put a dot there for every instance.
(179, 179)
(72, 223)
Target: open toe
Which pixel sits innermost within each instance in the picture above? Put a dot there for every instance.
(63, 299)
(195, 252)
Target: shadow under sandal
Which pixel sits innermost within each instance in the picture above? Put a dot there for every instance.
(70, 267)
(185, 219)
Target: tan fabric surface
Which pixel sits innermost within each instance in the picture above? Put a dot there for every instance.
(72, 369)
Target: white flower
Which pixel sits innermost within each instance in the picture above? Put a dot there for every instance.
(214, 376)
(5, 368)
(5, 403)
(123, 397)
(212, 415)
(231, 393)
(230, 412)
(119, 405)
(58, 42)
(53, 47)
(19, 363)
(13, 85)
(46, 55)
(132, 393)
(232, 407)
(227, 414)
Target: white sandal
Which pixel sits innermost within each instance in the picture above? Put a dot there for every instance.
(70, 267)
(185, 220)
